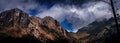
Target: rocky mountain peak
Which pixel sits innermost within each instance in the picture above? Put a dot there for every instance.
(17, 24)
(13, 17)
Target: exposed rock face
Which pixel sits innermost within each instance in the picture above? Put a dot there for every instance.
(14, 17)
(17, 24)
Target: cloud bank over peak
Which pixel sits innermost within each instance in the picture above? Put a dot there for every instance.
(78, 16)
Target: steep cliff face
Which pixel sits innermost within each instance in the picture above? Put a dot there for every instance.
(17, 24)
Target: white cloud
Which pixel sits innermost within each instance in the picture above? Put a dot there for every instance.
(78, 16)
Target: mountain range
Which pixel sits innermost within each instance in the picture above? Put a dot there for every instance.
(16, 26)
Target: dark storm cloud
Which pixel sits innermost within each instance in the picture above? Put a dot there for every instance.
(52, 2)
(29, 6)
(36, 6)
(7, 4)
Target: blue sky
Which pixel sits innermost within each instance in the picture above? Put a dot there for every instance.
(72, 14)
